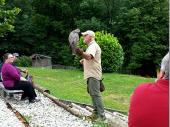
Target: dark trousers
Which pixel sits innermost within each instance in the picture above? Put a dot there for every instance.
(26, 87)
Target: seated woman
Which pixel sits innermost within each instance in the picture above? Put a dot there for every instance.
(12, 79)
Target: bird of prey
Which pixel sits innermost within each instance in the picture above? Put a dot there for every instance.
(74, 39)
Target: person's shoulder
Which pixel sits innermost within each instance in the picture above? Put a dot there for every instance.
(144, 87)
(7, 65)
(92, 44)
(95, 44)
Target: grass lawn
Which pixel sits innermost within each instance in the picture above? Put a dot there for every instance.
(70, 85)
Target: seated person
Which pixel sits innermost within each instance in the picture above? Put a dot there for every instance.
(12, 79)
(149, 102)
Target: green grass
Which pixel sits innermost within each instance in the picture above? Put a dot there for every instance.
(70, 85)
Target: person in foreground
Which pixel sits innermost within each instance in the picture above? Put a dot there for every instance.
(92, 73)
(149, 102)
(12, 79)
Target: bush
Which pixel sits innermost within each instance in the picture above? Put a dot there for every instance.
(112, 52)
(23, 61)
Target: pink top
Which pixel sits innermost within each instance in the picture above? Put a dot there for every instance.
(10, 75)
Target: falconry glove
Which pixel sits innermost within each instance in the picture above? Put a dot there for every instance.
(79, 51)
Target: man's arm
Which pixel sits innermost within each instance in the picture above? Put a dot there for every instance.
(82, 61)
(84, 55)
(87, 56)
(22, 70)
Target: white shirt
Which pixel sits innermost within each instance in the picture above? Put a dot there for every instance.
(92, 67)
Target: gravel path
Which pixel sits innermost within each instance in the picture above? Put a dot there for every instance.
(7, 117)
(43, 114)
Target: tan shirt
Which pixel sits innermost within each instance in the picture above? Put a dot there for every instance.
(92, 68)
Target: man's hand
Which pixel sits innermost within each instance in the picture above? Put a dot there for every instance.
(79, 51)
(22, 79)
(23, 70)
(26, 71)
(81, 61)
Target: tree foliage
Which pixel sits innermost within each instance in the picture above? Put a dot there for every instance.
(7, 17)
(141, 27)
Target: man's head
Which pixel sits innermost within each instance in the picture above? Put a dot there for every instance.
(88, 36)
(164, 72)
(8, 58)
(16, 55)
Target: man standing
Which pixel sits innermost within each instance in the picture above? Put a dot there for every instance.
(92, 73)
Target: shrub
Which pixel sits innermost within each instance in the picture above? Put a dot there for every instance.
(112, 52)
(23, 61)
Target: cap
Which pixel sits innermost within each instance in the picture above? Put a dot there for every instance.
(15, 54)
(89, 32)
